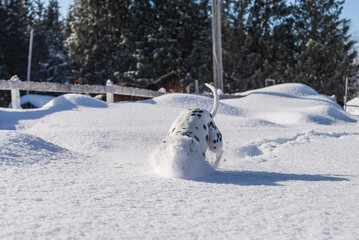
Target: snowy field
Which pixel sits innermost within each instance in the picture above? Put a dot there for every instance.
(78, 168)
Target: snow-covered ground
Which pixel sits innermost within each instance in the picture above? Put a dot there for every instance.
(78, 168)
(37, 101)
(353, 106)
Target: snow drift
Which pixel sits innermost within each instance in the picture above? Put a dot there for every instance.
(36, 100)
(353, 106)
(186, 101)
(291, 104)
(280, 105)
(77, 169)
(72, 101)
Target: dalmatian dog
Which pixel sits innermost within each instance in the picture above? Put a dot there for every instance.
(198, 132)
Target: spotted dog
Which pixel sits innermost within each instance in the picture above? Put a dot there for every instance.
(198, 125)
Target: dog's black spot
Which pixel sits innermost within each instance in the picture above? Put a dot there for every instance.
(196, 138)
(204, 126)
(207, 137)
(173, 130)
(186, 134)
(203, 154)
(193, 114)
(197, 110)
(199, 115)
(217, 135)
(220, 139)
(210, 115)
(214, 147)
(212, 125)
(197, 128)
(164, 141)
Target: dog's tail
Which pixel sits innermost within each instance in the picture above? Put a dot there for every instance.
(216, 99)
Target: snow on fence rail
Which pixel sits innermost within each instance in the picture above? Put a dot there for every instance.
(15, 85)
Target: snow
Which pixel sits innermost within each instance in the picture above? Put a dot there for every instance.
(353, 106)
(36, 100)
(79, 168)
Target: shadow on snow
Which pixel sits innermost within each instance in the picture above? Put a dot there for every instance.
(251, 178)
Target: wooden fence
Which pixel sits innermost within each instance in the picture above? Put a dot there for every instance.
(110, 89)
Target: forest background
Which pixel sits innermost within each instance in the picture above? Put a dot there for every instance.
(137, 41)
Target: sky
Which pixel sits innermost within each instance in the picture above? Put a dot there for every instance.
(350, 11)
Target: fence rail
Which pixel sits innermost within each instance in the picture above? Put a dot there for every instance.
(109, 89)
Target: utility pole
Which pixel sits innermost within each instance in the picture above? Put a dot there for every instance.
(29, 58)
(217, 44)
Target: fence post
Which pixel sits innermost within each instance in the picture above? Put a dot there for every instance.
(109, 95)
(15, 94)
(196, 88)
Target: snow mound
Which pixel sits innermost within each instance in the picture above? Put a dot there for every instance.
(353, 106)
(287, 89)
(73, 101)
(186, 101)
(290, 104)
(176, 157)
(34, 150)
(36, 100)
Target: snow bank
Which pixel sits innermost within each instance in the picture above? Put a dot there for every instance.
(72, 101)
(36, 100)
(23, 149)
(9, 118)
(186, 101)
(353, 106)
(286, 89)
(291, 104)
(82, 173)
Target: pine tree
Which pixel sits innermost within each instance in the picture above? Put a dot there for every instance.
(326, 54)
(94, 44)
(57, 67)
(13, 38)
(233, 40)
(264, 46)
(178, 38)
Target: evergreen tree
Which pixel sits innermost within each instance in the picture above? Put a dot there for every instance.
(326, 51)
(179, 38)
(49, 59)
(266, 18)
(233, 41)
(94, 44)
(57, 68)
(13, 38)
